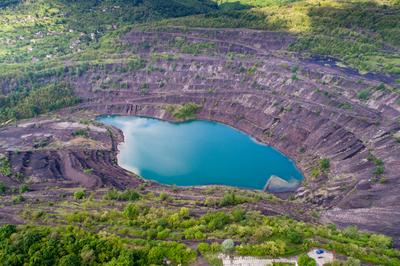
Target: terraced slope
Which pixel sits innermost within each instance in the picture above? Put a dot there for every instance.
(247, 79)
(341, 127)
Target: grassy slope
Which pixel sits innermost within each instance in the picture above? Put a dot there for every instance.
(153, 225)
(363, 34)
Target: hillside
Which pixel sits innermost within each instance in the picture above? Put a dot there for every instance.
(317, 80)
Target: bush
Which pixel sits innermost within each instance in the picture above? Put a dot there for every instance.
(216, 220)
(262, 233)
(364, 94)
(23, 188)
(80, 194)
(324, 164)
(127, 195)
(81, 132)
(17, 199)
(305, 260)
(5, 166)
(131, 211)
(3, 188)
(203, 248)
(294, 237)
(163, 196)
(230, 198)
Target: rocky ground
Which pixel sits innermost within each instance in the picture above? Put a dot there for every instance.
(243, 78)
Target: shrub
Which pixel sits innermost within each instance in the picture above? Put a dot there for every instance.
(294, 237)
(81, 132)
(23, 188)
(305, 260)
(80, 194)
(127, 195)
(163, 196)
(3, 188)
(262, 233)
(380, 241)
(17, 199)
(238, 214)
(203, 248)
(131, 211)
(5, 166)
(363, 94)
(216, 220)
(324, 164)
(230, 198)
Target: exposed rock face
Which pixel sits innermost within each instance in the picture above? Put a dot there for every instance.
(63, 159)
(247, 80)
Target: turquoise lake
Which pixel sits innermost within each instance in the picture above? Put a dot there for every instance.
(197, 153)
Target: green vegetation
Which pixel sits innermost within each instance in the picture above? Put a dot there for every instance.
(231, 199)
(81, 132)
(39, 37)
(160, 230)
(356, 32)
(305, 260)
(88, 171)
(3, 188)
(73, 246)
(62, 28)
(17, 199)
(46, 44)
(193, 48)
(29, 103)
(324, 164)
(183, 112)
(127, 195)
(323, 167)
(379, 167)
(364, 94)
(5, 166)
(80, 194)
(23, 188)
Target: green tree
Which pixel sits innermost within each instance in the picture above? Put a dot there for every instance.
(70, 260)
